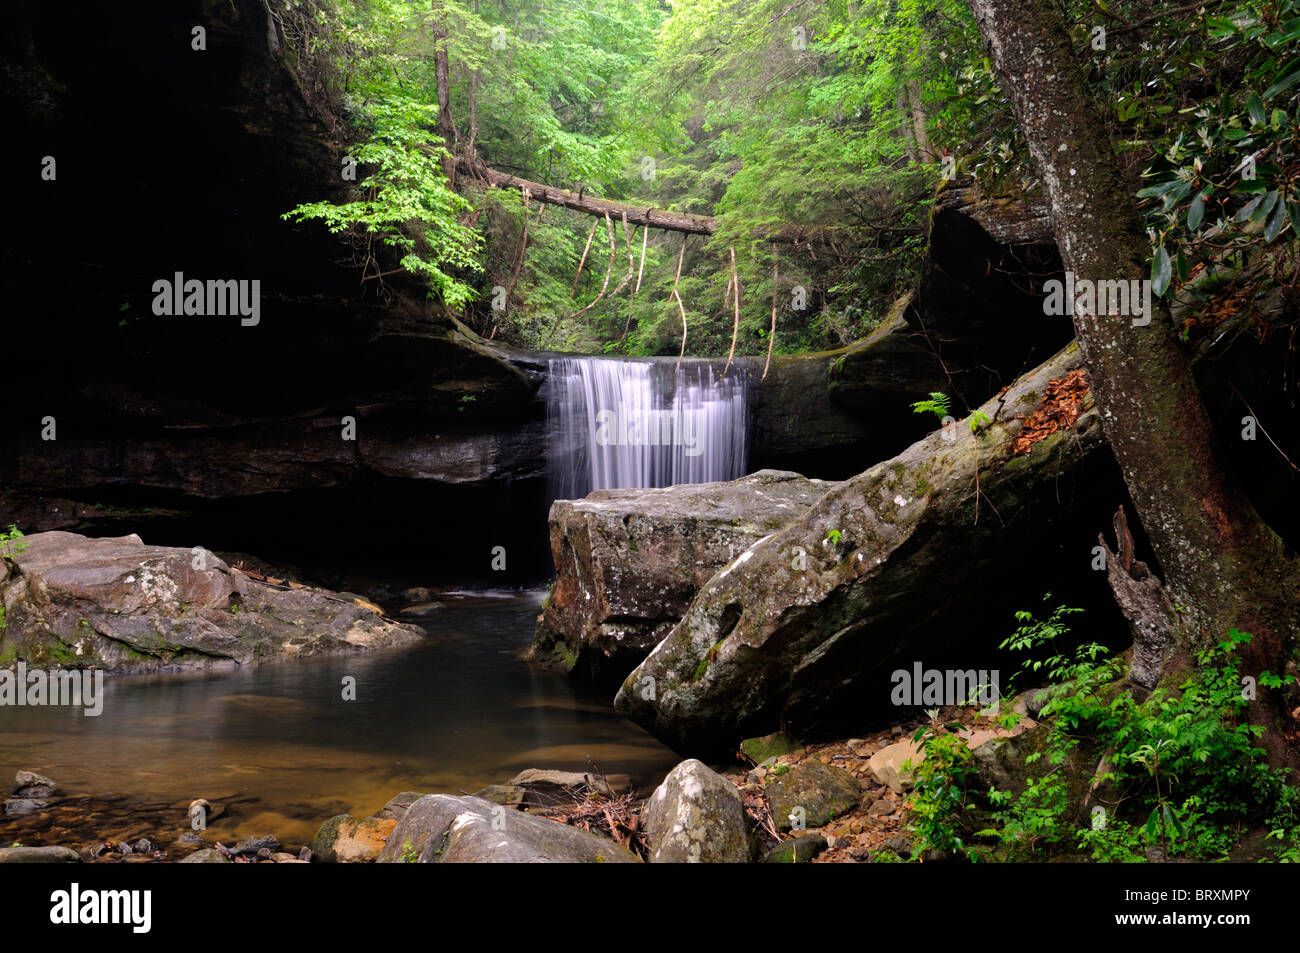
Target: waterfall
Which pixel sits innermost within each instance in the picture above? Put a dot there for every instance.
(620, 423)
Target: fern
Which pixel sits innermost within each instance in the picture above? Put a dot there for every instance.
(938, 404)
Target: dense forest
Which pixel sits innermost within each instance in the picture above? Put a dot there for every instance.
(812, 136)
(761, 430)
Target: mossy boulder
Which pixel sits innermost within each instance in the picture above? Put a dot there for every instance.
(760, 749)
(812, 794)
(805, 626)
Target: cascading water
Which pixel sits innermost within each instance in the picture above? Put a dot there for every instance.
(617, 423)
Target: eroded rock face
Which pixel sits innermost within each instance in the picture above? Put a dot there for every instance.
(442, 828)
(696, 817)
(122, 606)
(629, 562)
(892, 564)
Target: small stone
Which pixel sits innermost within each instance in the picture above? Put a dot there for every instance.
(143, 846)
(883, 806)
(797, 850)
(887, 765)
(252, 845)
(29, 784)
(208, 855)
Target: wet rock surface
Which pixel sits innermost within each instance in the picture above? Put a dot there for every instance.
(122, 606)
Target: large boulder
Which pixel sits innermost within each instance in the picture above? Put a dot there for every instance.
(629, 562)
(122, 606)
(893, 566)
(443, 828)
(696, 816)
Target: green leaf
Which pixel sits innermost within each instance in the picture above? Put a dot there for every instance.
(1247, 210)
(1255, 106)
(1276, 223)
(1283, 84)
(1158, 190)
(1270, 200)
(1161, 269)
(1196, 211)
(1150, 826)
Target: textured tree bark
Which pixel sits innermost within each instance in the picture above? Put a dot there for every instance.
(1223, 566)
(442, 76)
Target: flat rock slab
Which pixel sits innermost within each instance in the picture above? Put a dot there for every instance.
(444, 828)
(629, 562)
(39, 855)
(122, 606)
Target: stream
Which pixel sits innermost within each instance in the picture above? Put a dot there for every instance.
(281, 747)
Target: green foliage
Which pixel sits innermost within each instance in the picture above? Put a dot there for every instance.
(12, 543)
(1222, 98)
(937, 404)
(939, 799)
(1182, 768)
(407, 203)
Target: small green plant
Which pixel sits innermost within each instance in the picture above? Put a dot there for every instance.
(1180, 771)
(977, 421)
(937, 404)
(12, 543)
(834, 537)
(409, 854)
(939, 800)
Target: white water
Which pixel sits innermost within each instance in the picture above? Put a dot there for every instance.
(617, 423)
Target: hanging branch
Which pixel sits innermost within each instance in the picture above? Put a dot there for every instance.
(771, 334)
(523, 245)
(609, 269)
(631, 269)
(735, 328)
(583, 259)
(682, 309)
(645, 233)
(681, 256)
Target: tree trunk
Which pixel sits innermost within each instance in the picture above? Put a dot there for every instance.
(917, 108)
(1222, 566)
(636, 214)
(446, 128)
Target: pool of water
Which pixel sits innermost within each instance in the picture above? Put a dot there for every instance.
(280, 743)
